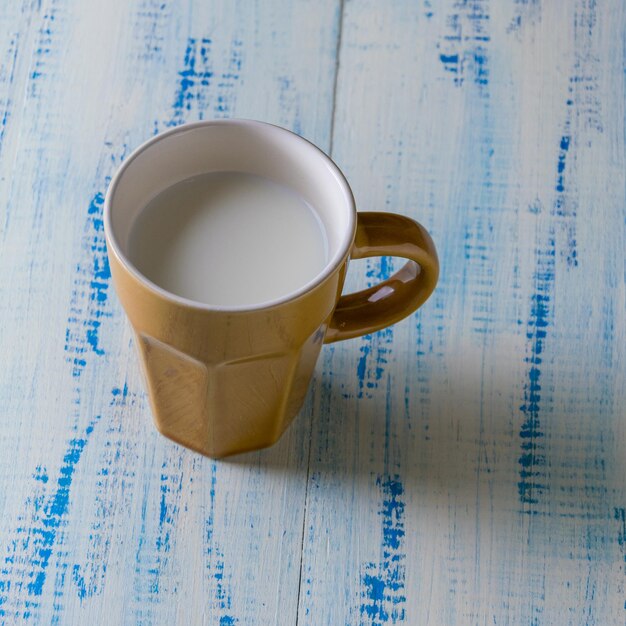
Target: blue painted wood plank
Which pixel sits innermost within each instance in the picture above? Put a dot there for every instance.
(465, 464)
(103, 519)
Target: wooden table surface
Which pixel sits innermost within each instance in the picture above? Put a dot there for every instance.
(466, 466)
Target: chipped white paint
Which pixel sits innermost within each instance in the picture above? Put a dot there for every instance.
(466, 466)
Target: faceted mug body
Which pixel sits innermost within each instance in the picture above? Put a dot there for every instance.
(226, 382)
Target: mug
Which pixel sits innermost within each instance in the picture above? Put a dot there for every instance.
(224, 380)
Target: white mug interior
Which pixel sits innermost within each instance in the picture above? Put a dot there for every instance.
(238, 146)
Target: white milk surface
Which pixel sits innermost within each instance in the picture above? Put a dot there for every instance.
(228, 238)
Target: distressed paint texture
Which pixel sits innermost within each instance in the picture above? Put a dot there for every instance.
(465, 466)
(499, 408)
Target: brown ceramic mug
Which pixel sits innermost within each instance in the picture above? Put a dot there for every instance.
(223, 380)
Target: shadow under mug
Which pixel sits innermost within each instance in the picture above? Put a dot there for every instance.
(224, 380)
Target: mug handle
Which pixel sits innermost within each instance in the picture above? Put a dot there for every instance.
(386, 234)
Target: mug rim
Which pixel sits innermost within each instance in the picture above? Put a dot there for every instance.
(339, 258)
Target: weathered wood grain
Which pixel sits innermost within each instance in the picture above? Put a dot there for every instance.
(464, 467)
(103, 520)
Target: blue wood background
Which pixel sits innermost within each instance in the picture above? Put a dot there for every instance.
(466, 466)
